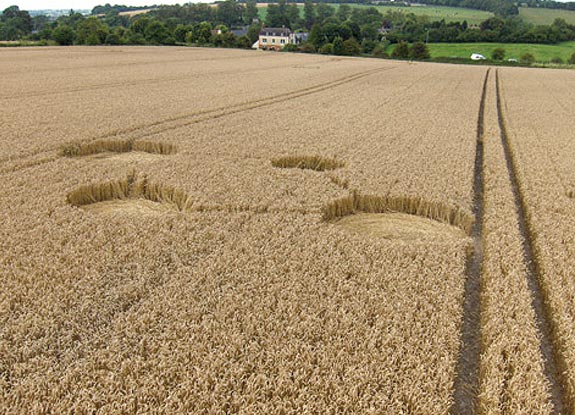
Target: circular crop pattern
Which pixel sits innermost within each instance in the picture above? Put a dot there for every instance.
(132, 194)
(399, 226)
(116, 146)
(316, 163)
(415, 207)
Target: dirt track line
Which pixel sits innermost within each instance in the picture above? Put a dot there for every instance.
(254, 105)
(551, 358)
(190, 118)
(466, 385)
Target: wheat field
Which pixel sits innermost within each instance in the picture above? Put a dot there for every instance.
(207, 231)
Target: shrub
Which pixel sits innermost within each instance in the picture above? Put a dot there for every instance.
(338, 47)
(351, 47)
(527, 58)
(557, 60)
(419, 51)
(401, 51)
(326, 49)
(572, 59)
(498, 54)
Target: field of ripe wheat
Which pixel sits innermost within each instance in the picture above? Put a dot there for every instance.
(218, 231)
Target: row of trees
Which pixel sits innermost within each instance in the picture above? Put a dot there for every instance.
(345, 30)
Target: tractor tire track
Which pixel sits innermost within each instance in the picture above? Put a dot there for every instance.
(466, 385)
(553, 360)
(183, 120)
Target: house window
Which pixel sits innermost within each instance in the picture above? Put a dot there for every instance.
(283, 41)
(264, 40)
(273, 41)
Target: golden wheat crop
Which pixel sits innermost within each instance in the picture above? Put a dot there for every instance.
(156, 257)
(512, 368)
(541, 144)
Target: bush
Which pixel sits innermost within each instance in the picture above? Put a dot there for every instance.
(379, 51)
(351, 47)
(527, 58)
(326, 49)
(498, 54)
(113, 39)
(401, 51)
(419, 51)
(307, 48)
(290, 47)
(557, 60)
(338, 48)
(572, 60)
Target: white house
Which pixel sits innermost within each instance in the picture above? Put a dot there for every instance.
(274, 38)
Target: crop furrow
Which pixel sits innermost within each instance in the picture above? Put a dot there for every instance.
(467, 380)
(553, 361)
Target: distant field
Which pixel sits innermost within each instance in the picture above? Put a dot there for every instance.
(545, 16)
(542, 53)
(450, 14)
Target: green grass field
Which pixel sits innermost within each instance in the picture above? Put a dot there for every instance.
(545, 16)
(542, 53)
(450, 14)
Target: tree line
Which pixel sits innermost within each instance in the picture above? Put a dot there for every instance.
(343, 30)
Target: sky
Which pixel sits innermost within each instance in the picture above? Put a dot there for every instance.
(83, 4)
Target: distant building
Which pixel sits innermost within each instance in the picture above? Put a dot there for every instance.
(276, 38)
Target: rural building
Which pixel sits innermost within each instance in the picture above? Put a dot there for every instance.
(276, 38)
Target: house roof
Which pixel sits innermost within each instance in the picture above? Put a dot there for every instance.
(275, 31)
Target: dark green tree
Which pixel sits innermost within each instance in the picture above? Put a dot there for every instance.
(344, 12)
(498, 54)
(309, 15)
(401, 51)
(91, 31)
(338, 46)
(251, 12)
(323, 11)
(419, 51)
(351, 47)
(63, 35)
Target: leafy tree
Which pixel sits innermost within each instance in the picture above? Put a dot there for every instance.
(181, 31)
(351, 47)
(91, 31)
(253, 33)
(338, 46)
(202, 33)
(326, 49)
(309, 14)
(251, 12)
(419, 51)
(277, 15)
(292, 13)
(344, 12)
(229, 13)
(15, 23)
(63, 35)
(401, 51)
(324, 11)
(498, 54)
(157, 33)
(113, 39)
